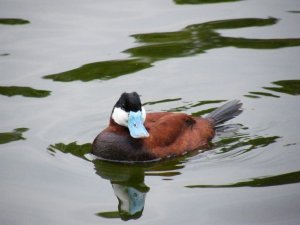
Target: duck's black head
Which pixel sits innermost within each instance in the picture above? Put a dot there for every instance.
(129, 102)
(128, 112)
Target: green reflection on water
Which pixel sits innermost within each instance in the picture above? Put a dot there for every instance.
(189, 41)
(258, 93)
(291, 87)
(15, 135)
(191, 105)
(109, 215)
(101, 70)
(72, 148)
(13, 21)
(162, 101)
(243, 142)
(24, 91)
(203, 112)
(203, 1)
(199, 38)
(282, 179)
(207, 102)
(251, 96)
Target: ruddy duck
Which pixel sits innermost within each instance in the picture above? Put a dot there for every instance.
(134, 135)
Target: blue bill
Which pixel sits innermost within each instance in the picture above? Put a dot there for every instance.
(136, 126)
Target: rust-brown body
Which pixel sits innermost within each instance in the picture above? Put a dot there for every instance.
(171, 134)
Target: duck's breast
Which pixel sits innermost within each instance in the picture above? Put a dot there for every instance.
(122, 147)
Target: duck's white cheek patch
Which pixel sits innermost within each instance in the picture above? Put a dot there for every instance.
(143, 114)
(120, 117)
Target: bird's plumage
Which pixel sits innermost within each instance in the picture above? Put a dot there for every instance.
(170, 134)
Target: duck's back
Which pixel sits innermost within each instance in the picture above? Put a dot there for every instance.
(174, 134)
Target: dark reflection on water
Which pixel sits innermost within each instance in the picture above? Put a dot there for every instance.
(291, 87)
(203, 112)
(257, 94)
(24, 91)
(203, 1)
(72, 148)
(162, 101)
(188, 105)
(282, 179)
(13, 21)
(198, 38)
(101, 70)
(191, 105)
(243, 143)
(189, 41)
(294, 11)
(15, 135)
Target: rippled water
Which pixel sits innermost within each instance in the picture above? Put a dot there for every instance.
(64, 65)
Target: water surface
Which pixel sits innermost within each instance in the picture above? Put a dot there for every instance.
(65, 63)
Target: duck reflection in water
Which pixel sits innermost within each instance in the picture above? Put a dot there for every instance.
(129, 187)
(128, 183)
(131, 200)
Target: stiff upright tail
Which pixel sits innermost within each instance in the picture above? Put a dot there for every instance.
(225, 112)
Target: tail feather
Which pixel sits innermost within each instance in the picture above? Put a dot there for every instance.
(225, 112)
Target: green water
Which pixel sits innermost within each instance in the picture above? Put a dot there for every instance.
(65, 63)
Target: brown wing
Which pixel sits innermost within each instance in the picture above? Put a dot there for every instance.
(165, 128)
(153, 117)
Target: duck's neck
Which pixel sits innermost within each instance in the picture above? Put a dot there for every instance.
(117, 128)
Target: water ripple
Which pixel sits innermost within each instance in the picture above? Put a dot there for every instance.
(191, 40)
